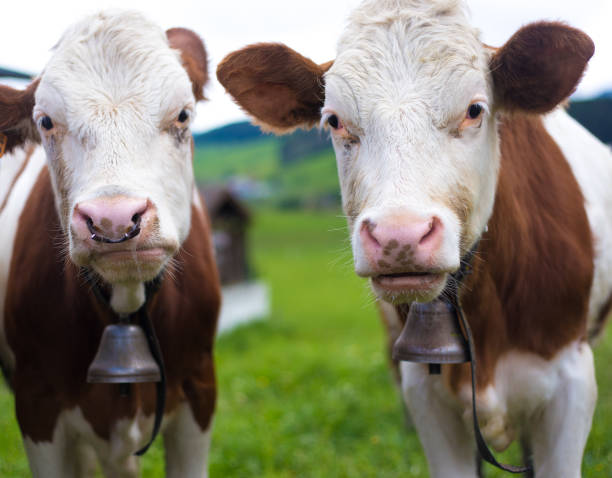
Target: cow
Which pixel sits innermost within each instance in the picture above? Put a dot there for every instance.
(98, 202)
(445, 145)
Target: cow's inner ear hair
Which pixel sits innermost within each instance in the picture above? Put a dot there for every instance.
(539, 67)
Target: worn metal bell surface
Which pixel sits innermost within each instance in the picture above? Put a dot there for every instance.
(123, 356)
(431, 335)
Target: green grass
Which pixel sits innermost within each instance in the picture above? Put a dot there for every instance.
(307, 392)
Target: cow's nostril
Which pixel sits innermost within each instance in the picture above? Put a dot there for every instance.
(136, 218)
(90, 224)
(431, 231)
(367, 228)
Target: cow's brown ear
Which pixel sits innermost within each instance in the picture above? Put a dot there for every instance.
(540, 66)
(16, 115)
(280, 88)
(193, 54)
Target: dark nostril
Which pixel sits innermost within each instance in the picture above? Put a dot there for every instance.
(432, 227)
(90, 224)
(136, 218)
(368, 227)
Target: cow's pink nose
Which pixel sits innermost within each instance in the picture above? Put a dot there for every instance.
(402, 243)
(109, 219)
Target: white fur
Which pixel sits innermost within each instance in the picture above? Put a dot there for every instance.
(113, 89)
(548, 403)
(392, 88)
(591, 162)
(186, 446)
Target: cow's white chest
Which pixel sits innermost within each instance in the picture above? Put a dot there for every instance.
(524, 384)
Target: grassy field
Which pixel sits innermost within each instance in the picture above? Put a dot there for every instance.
(307, 392)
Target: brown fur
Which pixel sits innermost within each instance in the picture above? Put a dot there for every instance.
(540, 66)
(275, 84)
(193, 54)
(16, 115)
(54, 323)
(533, 273)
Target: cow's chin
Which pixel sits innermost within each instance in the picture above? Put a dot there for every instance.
(409, 287)
(116, 266)
(130, 266)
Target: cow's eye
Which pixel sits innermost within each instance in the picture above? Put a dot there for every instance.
(46, 123)
(183, 116)
(474, 111)
(334, 122)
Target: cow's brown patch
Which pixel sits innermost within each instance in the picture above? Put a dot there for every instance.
(532, 276)
(54, 324)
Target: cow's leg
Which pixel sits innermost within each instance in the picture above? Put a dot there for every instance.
(186, 445)
(63, 457)
(559, 433)
(116, 455)
(448, 445)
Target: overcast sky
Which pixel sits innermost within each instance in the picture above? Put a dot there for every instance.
(30, 29)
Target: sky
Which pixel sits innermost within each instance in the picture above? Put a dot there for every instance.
(30, 29)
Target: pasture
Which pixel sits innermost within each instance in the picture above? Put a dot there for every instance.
(307, 392)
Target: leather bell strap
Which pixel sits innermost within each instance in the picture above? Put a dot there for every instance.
(160, 387)
(483, 449)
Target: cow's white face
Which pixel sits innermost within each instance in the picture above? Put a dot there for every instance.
(409, 104)
(113, 110)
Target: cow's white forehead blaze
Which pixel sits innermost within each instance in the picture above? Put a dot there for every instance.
(404, 77)
(114, 90)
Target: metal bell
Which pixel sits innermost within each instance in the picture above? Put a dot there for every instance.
(431, 335)
(123, 356)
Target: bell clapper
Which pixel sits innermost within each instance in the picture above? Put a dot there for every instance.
(435, 369)
(124, 389)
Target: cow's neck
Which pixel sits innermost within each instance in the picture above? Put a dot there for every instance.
(127, 298)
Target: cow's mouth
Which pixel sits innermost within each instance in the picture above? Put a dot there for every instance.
(154, 254)
(130, 265)
(409, 285)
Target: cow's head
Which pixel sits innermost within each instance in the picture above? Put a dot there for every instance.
(112, 109)
(413, 101)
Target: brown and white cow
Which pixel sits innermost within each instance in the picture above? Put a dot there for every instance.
(101, 141)
(441, 142)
